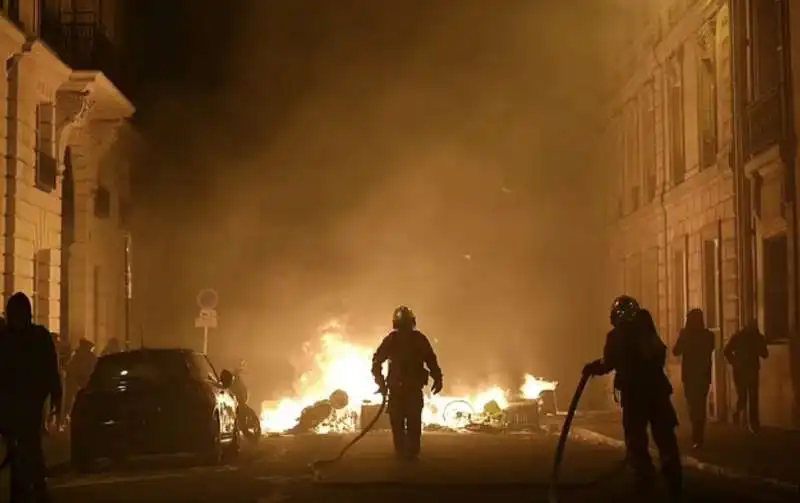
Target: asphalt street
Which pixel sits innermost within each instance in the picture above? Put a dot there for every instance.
(512, 467)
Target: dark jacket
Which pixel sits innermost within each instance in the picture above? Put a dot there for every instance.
(29, 374)
(638, 357)
(408, 353)
(695, 346)
(745, 349)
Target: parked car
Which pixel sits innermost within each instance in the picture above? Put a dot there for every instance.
(154, 402)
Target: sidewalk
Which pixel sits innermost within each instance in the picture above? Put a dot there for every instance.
(771, 455)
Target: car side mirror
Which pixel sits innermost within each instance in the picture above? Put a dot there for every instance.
(226, 378)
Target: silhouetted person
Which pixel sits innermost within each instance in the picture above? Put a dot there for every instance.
(744, 352)
(635, 351)
(409, 352)
(239, 387)
(695, 346)
(79, 370)
(29, 375)
(112, 346)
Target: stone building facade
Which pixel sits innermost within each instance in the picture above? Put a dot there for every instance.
(65, 182)
(674, 140)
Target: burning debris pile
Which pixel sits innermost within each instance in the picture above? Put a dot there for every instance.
(340, 370)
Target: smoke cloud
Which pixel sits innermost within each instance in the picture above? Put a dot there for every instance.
(332, 158)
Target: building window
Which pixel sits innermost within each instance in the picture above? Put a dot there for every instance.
(765, 113)
(618, 158)
(679, 286)
(764, 55)
(711, 297)
(46, 166)
(648, 142)
(707, 95)
(102, 202)
(776, 288)
(650, 279)
(632, 166)
(675, 118)
(41, 287)
(633, 275)
(11, 8)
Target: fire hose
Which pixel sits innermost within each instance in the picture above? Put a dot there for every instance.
(318, 465)
(555, 485)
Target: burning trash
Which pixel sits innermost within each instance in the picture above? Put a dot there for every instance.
(324, 414)
(340, 370)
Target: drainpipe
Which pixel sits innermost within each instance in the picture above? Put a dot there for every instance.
(741, 199)
(12, 127)
(789, 150)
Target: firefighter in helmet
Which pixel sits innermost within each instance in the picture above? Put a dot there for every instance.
(412, 362)
(637, 354)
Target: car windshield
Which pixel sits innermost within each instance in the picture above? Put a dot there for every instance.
(140, 367)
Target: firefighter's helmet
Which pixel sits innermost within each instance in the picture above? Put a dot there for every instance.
(623, 310)
(403, 317)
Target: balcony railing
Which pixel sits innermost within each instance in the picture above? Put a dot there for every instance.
(81, 41)
(763, 123)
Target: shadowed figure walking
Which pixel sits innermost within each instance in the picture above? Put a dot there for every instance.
(29, 375)
(695, 346)
(637, 355)
(409, 352)
(744, 352)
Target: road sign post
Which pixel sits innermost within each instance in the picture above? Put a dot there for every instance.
(207, 301)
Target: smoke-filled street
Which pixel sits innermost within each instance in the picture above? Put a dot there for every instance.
(453, 466)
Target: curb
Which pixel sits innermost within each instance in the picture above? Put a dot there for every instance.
(692, 462)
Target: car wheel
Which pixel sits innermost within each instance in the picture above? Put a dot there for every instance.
(81, 458)
(231, 451)
(249, 424)
(212, 452)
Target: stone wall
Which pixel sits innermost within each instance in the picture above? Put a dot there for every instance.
(662, 250)
(54, 118)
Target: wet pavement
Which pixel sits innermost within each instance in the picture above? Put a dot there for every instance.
(453, 466)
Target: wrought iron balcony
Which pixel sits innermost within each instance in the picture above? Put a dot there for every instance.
(81, 41)
(763, 123)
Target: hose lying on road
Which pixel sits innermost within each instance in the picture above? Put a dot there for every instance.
(555, 485)
(316, 466)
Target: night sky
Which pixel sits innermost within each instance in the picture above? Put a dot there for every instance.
(310, 158)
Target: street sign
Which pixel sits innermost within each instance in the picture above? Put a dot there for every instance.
(206, 318)
(207, 299)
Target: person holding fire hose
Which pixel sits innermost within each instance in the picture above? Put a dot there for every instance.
(409, 352)
(635, 351)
